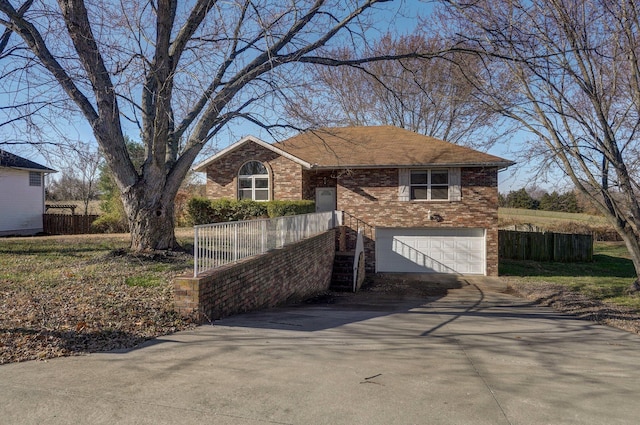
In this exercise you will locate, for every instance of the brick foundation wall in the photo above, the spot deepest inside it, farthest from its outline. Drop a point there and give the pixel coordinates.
(288, 274)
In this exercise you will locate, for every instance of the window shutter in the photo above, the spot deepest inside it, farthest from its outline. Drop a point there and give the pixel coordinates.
(455, 189)
(404, 178)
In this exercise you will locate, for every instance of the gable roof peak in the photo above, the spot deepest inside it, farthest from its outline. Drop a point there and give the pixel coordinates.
(202, 166)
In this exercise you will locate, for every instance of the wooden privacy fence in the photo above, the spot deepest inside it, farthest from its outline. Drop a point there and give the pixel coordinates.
(65, 224)
(545, 246)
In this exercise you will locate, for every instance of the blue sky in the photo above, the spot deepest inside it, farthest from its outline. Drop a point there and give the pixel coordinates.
(398, 17)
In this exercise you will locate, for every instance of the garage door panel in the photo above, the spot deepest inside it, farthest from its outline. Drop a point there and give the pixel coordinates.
(409, 250)
(422, 244)
(450, 257)
(447, 244)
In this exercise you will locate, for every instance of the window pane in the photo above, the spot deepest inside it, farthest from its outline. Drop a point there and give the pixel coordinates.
(253, 181)
(35, 178)
(440, 177)
(244, 194)
(418, 193)
(253, 167)
(419, 177)
(261, 195)
(262, 183)
(439, 193)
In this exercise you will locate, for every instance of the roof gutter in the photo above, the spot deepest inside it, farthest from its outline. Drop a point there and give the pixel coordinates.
(39, 170)
(500, 165)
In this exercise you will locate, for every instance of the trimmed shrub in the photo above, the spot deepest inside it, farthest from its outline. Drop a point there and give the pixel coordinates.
(247, 209)
(204, 211)
(282, 208)
(200, 211)
(221, 210)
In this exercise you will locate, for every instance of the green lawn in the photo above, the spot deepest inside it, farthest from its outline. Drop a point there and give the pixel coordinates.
(607, 278)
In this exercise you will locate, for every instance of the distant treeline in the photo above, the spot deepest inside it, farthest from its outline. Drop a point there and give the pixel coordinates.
(542, 200)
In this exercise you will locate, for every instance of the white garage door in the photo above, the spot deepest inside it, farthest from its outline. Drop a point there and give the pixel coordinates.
(411, 250)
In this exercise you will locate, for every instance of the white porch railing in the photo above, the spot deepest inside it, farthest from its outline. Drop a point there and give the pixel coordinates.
(356, 258)
(223, 243)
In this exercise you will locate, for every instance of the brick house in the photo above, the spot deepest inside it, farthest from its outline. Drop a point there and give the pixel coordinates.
(425, 205)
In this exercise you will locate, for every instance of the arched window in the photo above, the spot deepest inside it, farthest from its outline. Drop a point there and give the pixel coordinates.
(253, 181)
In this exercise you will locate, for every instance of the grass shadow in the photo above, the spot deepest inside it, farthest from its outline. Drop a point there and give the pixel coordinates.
(47, 250)
(44, 344)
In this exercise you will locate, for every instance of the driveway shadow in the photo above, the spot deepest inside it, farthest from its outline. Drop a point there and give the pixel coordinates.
(381, 296)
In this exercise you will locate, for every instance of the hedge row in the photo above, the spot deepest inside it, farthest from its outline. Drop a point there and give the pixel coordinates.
(204, 211)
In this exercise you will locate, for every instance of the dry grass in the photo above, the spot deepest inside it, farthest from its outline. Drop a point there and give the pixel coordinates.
(69, 295)
(553, 221)
(578, 304)
(546, 217)
(94, 207)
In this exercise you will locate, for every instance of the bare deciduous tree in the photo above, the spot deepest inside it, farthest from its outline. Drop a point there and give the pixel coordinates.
(79, 178)
(180, 71)
(428, 96)
(573, 74)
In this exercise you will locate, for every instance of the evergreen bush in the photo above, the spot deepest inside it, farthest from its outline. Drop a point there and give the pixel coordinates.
(282, 208)
(204, 211)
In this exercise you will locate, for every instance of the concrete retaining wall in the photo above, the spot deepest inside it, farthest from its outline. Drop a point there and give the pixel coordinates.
(283, 275)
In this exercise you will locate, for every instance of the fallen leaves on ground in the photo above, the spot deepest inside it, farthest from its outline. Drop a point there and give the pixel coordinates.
(579, 305)
(81, 303)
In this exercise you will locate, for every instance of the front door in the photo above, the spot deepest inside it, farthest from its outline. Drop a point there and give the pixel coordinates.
(325, 199)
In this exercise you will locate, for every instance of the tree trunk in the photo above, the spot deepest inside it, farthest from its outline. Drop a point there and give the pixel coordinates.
(151, 220)
(633, 246)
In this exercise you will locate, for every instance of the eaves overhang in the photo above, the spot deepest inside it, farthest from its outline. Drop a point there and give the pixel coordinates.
(500, 165)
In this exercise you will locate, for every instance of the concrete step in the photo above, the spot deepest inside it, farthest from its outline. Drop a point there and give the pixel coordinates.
(342, 275)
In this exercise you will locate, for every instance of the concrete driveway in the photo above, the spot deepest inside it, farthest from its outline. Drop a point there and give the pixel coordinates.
(473, 356)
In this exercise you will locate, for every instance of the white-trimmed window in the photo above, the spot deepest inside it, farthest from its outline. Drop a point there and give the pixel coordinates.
(438, 184)
(253, 181)
(35, 178)
(429, 185)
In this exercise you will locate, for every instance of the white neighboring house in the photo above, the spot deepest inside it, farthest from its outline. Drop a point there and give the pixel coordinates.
(21, 195)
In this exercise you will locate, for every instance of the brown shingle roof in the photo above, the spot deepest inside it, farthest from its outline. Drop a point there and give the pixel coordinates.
(381, 146)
